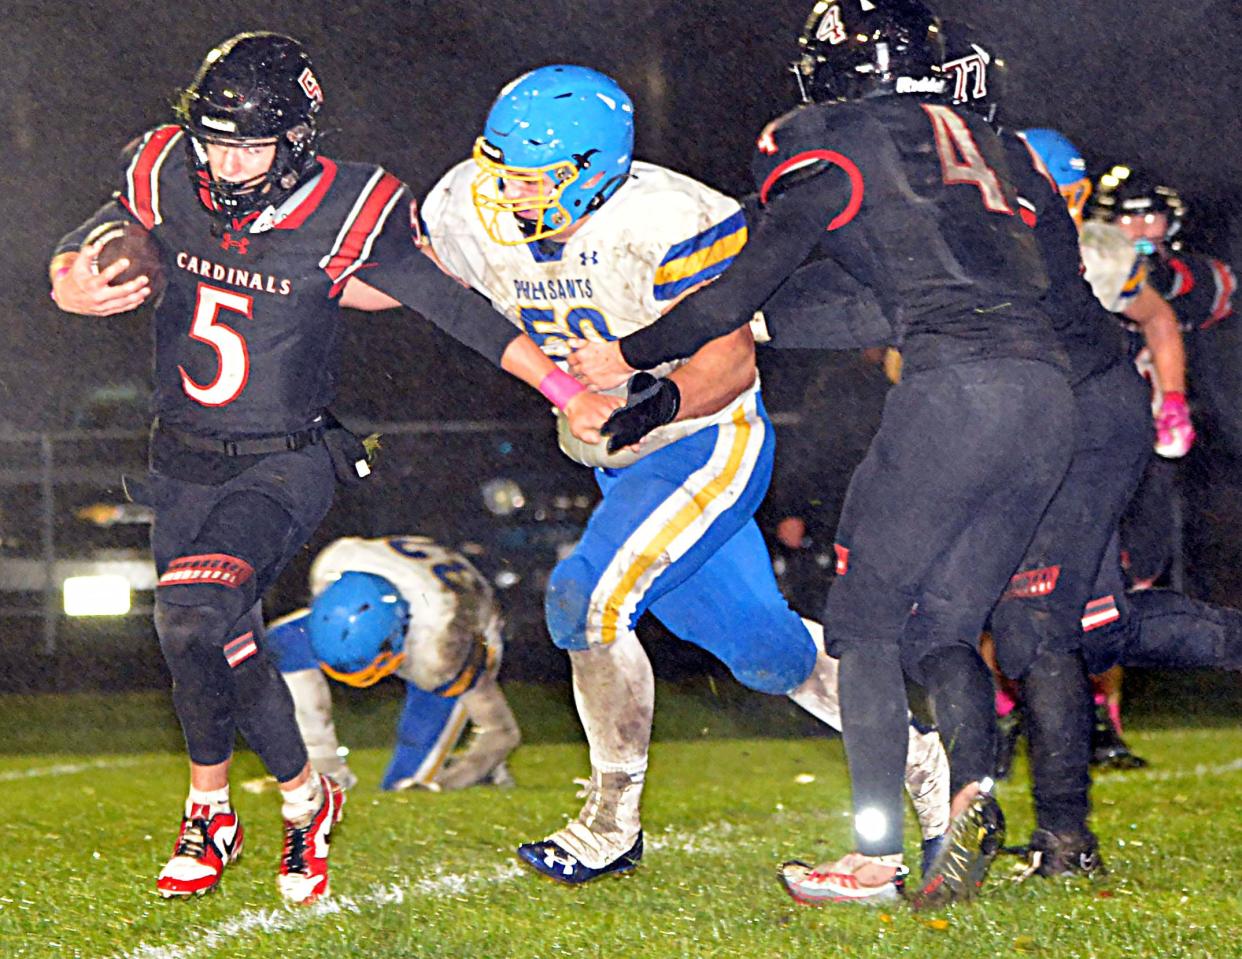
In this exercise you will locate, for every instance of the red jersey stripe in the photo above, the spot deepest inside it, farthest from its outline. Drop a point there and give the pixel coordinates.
(142, 177)
(809, 156)
(368, 214)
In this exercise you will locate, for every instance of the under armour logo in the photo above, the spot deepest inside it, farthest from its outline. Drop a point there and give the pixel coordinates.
(228, 243)
(586, 258)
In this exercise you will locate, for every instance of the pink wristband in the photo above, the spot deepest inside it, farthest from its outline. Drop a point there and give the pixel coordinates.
(58, 274)
(559, 387)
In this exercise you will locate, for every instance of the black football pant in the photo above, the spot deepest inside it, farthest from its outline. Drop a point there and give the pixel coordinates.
(935, 521)
(1037, 626)
(217, 549)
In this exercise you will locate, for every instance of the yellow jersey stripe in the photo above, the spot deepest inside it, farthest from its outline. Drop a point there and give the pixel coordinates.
(677, 525)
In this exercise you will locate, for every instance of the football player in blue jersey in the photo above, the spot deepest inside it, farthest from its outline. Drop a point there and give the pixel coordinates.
(261, 240)
(876, 180)
(570, 237)
(407, 607)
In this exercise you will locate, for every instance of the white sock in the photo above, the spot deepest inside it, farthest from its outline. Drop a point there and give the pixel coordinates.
(301, 801)
(215, 799)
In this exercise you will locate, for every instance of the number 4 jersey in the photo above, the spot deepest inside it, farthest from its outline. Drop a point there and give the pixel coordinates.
(917, 203)
(911, 201)
(247, 334)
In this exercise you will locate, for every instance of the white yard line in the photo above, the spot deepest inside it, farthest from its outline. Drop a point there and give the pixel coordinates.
(702, 840)
(1192, 772)
(69, 769)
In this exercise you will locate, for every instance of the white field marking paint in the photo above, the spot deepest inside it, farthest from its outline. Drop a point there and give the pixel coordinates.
(68, 769)
(702, 841)
(1168, 775)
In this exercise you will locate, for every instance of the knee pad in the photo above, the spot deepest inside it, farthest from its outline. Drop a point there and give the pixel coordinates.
(184, 629)
(864, 607)
(767, 666)
(568, 601)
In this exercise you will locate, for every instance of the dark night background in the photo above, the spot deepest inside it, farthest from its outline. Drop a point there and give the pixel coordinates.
(408, 84)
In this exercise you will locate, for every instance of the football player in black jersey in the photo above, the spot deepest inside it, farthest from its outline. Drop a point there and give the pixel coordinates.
(261, 240)
(878, 178)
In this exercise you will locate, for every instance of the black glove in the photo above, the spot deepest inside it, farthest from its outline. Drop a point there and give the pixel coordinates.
(652, 402)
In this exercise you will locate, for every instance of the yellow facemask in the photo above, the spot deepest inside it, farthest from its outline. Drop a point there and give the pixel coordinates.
(491, 203)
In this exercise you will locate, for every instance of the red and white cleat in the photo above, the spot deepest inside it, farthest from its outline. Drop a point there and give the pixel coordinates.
(205, 845)
(856, 879)
(303, 874)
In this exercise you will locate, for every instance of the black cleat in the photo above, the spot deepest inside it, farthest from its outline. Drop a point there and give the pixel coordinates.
(1108, 749)
(975, 837)
(1064, 854)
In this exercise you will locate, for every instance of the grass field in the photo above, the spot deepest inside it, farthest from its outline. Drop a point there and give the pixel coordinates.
(90, 789)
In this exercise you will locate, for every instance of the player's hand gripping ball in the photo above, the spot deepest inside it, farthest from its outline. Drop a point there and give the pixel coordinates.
(131, 242)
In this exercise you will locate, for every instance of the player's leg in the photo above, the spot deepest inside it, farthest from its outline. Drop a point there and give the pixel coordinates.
(658, 521)
(981, 479)
(494, 735)
(731, 607)
(240, 536)
(1156, 628)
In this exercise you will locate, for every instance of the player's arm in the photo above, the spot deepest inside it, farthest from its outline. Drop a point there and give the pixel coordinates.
(788, 227)
(716, 374)
(400, 274)
(288, 644)
(1157, 321)
(76, 287)
(1175, 433)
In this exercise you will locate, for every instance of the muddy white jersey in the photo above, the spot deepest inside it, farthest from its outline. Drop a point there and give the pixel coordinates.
(660, 235)
(1111, 264)
(451, 603)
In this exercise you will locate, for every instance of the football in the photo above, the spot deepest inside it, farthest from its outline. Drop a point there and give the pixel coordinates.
(123, 240)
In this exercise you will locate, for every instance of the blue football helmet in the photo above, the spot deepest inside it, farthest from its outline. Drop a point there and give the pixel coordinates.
(357, 628)
(1065, 165)
(557, 143)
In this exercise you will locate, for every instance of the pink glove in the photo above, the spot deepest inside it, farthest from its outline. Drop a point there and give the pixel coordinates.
(1174, 432)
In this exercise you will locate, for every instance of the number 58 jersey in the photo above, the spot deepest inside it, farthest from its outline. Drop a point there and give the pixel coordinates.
(660, 235)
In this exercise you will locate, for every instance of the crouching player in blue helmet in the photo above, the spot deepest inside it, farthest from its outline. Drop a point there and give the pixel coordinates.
(571, 239)
(403, 606)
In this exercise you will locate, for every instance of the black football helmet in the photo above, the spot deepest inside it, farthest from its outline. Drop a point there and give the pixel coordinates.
(975, 74)
(856, 49)
(1126, 191)
(252, 87)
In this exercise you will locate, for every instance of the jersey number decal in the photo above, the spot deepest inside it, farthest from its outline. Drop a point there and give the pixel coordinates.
(456, 576)
(831, 28)
(232, 356)
(577, 322)
(960, 159)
